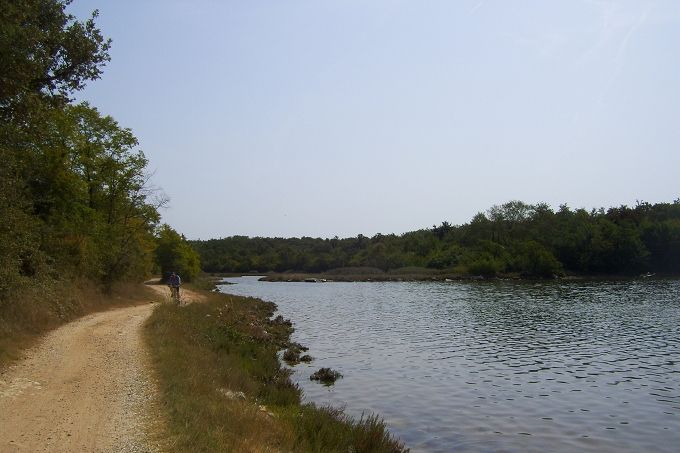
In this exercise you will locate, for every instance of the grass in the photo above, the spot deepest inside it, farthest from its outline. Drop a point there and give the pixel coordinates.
(27, 314)
(206, 353)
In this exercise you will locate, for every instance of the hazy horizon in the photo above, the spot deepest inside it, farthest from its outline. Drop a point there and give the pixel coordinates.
(326, 119)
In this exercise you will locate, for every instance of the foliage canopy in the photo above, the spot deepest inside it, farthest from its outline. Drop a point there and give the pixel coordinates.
(515, 237)
(174, 254)
(74, 197)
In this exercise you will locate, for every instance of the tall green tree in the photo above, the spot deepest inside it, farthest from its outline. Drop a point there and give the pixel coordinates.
(74, 184)
(45, 54)
(174, 254)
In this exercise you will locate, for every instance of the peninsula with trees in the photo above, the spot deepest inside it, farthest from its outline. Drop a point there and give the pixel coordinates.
(511, 239)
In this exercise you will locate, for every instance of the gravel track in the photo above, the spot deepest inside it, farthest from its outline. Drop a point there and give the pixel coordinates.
(85, 387)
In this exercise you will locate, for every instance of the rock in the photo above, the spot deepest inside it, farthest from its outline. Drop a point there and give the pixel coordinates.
(297, 347)
(280, 320)
(326, 376)
(232, 395)
(265, 411)
(291, 356)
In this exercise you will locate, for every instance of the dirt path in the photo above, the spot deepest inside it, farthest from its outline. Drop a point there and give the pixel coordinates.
(84, 388)
(187, 296)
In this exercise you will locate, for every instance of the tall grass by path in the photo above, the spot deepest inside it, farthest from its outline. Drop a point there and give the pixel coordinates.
(36, 309)
(222, 387)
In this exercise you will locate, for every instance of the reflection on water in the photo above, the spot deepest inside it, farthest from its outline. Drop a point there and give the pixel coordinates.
(497, 366)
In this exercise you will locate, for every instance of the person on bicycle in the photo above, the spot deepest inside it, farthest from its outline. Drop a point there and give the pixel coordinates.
(174, 282)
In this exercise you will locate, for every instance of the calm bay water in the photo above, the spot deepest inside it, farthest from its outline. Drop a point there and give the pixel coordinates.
(495, 366)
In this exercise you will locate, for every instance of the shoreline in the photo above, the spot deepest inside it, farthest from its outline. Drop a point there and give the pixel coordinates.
(407, 337)
(223, 386)
(219, 279)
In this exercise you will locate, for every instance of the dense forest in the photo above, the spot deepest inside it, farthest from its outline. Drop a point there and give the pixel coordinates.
(75, 198)
(512, 238)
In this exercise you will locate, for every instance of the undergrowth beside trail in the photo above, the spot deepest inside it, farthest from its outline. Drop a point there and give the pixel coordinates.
(34, 310)
(223, 388)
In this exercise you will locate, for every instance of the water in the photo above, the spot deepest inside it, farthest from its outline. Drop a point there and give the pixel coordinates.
(495, 366)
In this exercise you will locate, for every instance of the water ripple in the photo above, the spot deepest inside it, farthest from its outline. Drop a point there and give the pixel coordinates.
(497, 366)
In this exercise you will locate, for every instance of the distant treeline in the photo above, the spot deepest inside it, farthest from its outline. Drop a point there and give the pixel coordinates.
(513, 238)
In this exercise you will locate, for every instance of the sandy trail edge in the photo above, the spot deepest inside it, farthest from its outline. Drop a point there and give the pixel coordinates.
(85, 387)
(186, 295)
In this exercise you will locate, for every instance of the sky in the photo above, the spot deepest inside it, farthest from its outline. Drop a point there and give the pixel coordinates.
(338, 118)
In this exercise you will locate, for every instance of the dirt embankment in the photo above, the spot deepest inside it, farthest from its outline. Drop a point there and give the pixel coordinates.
(85, 387)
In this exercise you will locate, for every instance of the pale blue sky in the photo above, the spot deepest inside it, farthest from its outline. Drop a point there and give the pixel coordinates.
(324, 118)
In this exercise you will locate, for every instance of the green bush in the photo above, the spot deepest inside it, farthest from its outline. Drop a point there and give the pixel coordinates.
(485, 265)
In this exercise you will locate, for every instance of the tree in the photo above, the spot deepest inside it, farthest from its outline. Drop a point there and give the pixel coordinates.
(89, 187)
(442, 230)
(531, 259)
(174, 254)
(45, 54)
(19, 233)
(508, 218)
(445, 257)
(663, 241)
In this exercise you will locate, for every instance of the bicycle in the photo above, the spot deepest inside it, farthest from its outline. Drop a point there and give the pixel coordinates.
(174, 294)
